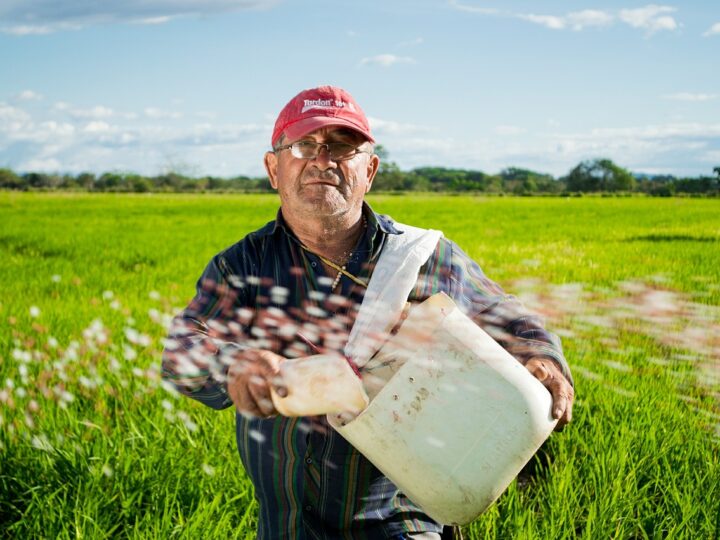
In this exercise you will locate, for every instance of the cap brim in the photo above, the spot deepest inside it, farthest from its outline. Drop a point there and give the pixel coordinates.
(307, 125)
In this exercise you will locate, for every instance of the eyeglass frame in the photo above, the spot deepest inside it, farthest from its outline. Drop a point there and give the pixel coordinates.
(356, 149)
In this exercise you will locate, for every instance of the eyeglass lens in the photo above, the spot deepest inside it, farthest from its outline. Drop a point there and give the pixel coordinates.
(311, 149)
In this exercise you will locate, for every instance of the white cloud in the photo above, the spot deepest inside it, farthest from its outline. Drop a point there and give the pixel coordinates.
(381, 127)
(549, 21)
(99, 139)
(473, 9)
(650, 18)
(98, 111)
(40, 164)
(28, 95)
(510, 130)
(387, 60)
(577, 20)
(26, 17)
(590, 17)
(25, 30)
(10, 115)
(154, 20)
(688, 96)
(713, 30)
(154, 112)
(673, 148)
(96, 126)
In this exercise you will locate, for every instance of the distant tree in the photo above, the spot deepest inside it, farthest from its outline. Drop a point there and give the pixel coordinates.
(599, 175)
(389, 176)
(10, 180)
(702, 184)
(39, 180)
(525, 181)
(716, 170)
(110, 181)
(86, 180)
(138, 184)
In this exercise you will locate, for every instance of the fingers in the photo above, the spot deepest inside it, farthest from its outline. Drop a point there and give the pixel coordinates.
(249, 381)
(259, 391)
(563, 394)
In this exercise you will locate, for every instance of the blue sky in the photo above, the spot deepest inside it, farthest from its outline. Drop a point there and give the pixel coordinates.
(195, 85)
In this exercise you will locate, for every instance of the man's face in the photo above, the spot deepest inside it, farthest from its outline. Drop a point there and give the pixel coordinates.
(320, 186)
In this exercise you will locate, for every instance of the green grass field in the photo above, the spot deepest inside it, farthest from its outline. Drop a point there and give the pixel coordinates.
(92, 446)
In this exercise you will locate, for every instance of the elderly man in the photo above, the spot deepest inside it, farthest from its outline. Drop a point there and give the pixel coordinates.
(292, 288)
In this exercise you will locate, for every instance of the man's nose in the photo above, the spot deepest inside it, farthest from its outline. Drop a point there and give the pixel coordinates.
(324, 158)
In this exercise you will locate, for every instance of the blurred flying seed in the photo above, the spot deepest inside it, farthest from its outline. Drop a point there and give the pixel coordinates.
(55, 278)
(108, 295)
(208, 469)
(154, 295)
(256, 436)
(279, 291)
(107, 470)
(21, 356)
(437, 443)
(129, 353)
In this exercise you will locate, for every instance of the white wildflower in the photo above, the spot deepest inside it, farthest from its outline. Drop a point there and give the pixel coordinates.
(34, 312)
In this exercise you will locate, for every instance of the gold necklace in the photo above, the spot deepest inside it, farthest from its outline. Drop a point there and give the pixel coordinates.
(341, 270)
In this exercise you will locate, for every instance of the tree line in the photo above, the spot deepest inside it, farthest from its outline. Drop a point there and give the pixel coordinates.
(591, 176)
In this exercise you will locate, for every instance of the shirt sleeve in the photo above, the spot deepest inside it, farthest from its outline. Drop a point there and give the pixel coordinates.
(199, 346)
(501, 315)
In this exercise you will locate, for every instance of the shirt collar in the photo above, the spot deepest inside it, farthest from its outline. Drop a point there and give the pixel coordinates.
(375, 221)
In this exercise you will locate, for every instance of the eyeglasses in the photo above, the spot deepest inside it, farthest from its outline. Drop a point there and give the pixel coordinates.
(338, 151)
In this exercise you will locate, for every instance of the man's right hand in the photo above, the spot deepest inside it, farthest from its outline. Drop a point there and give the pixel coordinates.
(249, 381)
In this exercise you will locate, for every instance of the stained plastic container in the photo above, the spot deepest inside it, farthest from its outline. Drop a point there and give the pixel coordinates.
(453, 417)
(320, 384)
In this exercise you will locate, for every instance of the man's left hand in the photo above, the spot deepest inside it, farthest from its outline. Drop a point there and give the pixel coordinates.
(548, 372)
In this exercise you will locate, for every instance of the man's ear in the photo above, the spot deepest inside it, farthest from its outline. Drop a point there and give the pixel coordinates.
(271, 164)
(373, 165)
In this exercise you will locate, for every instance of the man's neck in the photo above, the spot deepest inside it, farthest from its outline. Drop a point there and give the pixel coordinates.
(333, 237)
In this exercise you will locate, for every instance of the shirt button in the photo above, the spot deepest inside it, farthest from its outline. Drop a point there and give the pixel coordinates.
(313, 264)
(308, 508)
(308, 461)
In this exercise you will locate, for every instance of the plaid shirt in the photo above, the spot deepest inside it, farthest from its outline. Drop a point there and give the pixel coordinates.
(309, 482)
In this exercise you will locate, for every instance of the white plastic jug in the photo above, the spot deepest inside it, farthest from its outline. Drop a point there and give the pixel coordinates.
(458, 418)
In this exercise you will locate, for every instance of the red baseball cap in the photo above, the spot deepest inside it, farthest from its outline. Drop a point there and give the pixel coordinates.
(320, 107)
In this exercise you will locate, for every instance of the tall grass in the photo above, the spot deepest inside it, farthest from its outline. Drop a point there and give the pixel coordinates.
(93, 446)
